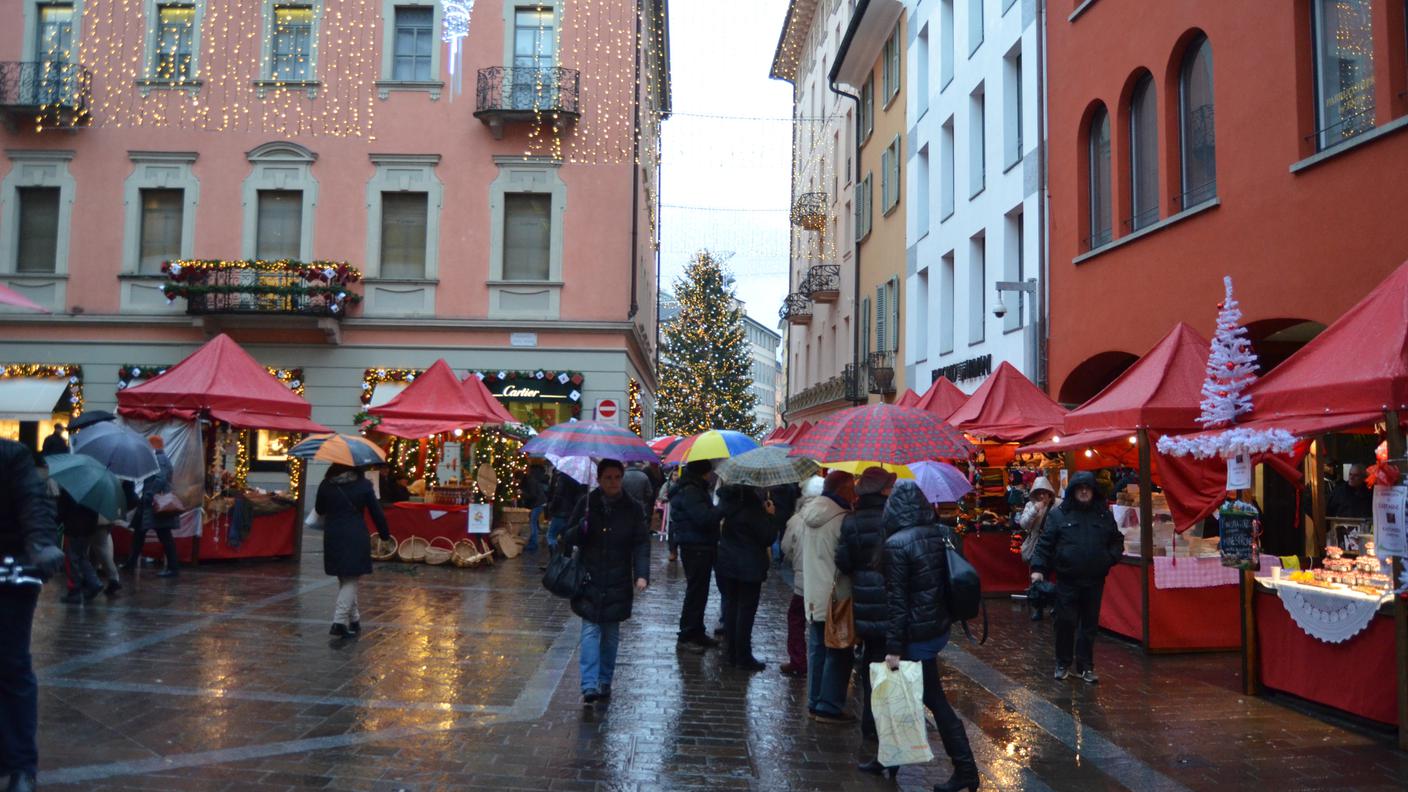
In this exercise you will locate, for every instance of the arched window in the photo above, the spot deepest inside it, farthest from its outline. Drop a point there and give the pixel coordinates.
(1198, 144)
(1143, 155)
(1099, 176)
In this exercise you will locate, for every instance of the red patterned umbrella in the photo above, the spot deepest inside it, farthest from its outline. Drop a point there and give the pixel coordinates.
(882, 433)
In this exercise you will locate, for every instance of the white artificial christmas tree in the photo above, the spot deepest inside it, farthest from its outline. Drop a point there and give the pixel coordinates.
(1231, 370)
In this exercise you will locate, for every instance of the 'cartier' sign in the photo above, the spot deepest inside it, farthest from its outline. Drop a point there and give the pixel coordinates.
(512, 392)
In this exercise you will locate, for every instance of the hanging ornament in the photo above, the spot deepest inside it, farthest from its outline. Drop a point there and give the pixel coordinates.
(455, 26)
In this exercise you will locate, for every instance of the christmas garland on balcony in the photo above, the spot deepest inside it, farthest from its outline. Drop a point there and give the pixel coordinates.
(326, 279)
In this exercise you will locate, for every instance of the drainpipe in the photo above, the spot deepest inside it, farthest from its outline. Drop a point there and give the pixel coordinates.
(1039, 324)
(855, 249)
(635, 173)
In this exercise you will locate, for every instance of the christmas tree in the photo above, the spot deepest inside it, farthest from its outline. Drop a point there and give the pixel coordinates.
(705, 361)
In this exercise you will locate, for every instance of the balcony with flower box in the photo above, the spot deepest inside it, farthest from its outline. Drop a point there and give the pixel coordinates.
(252, 292)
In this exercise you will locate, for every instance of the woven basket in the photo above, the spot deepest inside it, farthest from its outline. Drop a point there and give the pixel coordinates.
(384, 550)
(435, 555)
(508, 543)
(465, 555)
(412, 549)
(514, 519)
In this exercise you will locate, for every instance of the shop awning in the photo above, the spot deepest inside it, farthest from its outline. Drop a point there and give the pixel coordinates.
(384, 392)
(942, 399)
(31, 398)
(436, 402)
(248, 419)
(1008, 408)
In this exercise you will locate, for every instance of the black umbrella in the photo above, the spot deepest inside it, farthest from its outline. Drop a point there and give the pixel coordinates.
(89, 418)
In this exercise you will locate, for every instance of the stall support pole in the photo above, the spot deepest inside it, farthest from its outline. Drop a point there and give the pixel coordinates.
(1400, 605)
(1251, 676)
(1313, 463)
(298, 510)
(1146, 533)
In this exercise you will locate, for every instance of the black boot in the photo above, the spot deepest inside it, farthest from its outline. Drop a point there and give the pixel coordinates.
(21, 782)
(965, 769)
(874, 766)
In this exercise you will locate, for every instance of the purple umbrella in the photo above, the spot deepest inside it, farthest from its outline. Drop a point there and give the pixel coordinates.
(940, 482)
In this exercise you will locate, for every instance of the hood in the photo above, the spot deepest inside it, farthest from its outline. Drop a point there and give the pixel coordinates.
(819, 511)
(1083, 478)
(1042, 483)
(907, 508)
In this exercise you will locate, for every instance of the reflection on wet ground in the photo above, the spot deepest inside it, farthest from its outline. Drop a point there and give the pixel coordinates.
(226, 679)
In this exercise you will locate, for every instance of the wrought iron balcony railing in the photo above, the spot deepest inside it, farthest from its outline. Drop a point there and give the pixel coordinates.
(824, 283)
(881, 369)
(825, 392)
(855, 380)
(526, 94)
(796, 309)
(55, 93)
(320, 289)
(809, 211)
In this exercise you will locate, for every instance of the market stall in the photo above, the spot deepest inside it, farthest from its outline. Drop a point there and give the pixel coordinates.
(942, 399)
(207, 408)
(34, 397)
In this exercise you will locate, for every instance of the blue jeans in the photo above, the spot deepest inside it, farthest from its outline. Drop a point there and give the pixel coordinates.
(555, 528)
(533, 517)
(597, 654)
(828, 672)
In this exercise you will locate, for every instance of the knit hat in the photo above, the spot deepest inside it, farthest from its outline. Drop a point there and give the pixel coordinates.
(835, 480)
(874, 480)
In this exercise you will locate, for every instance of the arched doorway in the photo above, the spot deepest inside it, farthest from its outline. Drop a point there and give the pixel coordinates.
(1092, 375)
(1274, 340)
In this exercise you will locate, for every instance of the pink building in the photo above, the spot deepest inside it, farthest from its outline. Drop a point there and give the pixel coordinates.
(508, 227)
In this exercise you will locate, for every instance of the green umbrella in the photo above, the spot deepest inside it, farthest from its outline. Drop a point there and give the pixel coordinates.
(88, 482)
(767, 466)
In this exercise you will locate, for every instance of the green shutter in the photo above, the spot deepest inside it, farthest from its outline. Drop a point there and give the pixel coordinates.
(881, 318)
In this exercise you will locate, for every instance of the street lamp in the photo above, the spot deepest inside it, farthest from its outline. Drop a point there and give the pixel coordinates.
(1028, 286)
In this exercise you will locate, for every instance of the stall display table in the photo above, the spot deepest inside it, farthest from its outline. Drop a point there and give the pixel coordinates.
(1356, 675)
(269, 536)
(426, 520)
(1002, 571)
(1182, 618)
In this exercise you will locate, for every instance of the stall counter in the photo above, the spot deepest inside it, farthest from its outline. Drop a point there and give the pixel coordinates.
(1001, 571)
(1180, 619)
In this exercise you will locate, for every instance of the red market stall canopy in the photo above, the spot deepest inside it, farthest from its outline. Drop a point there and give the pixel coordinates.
(908, 399)
(1008, 408)
(787, 435)
(942, 399)
(437, 401)
(222, 381)
(475, 389)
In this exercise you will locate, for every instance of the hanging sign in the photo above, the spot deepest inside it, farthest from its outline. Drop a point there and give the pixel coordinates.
(1390, 529)
(1239, 523)
(1239, 472)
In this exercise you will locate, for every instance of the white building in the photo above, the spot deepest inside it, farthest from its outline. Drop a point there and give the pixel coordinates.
(975, 214)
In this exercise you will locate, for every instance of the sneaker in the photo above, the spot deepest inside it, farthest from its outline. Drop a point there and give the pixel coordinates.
(339, 630)
(590, 697)
(1089, 676)
(1061, 672)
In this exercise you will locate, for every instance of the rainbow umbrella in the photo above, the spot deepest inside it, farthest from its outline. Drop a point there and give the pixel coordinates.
(713, 444)
(662, 445)
(590, 439)
(340, 449)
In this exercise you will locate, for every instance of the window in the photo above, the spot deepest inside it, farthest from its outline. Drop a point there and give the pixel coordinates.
(946, 179)
(1014, 267)
(1012, 110)
(1198, 139)
(921, 179)
(161, 228)
(882, 318)
(921, 69)
(975, 26)
(291, 53)
(977, 144)
(864, 197)
(947, 301)
(53, 35)
(892, 287)
(527, 236)
(175, 36)
(890, 178)
(946, 44)
(534, 38)
(865, 327)
(892, 69)
(1099, 177)
(1143, 155)
(403, 233)
(977, 289)
(919, 318)
(279, 225)
(38, 230)
(414, 45)
(865, 122)
(1344, 69)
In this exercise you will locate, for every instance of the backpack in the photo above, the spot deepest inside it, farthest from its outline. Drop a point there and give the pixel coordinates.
(965, 591)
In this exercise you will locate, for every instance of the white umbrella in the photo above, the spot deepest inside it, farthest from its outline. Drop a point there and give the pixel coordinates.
(580, 469)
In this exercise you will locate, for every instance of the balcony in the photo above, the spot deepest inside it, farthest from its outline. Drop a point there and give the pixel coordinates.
(796, 309)
(247, 293)
(824, 283)
(44, 94)
(809, 211)
(509, 95)
(831, 390)
(880, 367)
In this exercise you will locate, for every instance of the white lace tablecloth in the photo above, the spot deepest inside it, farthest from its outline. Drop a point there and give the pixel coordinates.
(1332, 617)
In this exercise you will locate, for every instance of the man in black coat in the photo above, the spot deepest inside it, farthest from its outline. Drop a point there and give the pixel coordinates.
(862, 541)
(534, 497)
(564, 492)
(750, 526)
(1080, 543)
(694, 521)
(29, 536)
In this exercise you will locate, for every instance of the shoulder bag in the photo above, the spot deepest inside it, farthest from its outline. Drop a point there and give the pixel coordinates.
(565, 577)
(167, 503)
(965, 591)
(840, 622)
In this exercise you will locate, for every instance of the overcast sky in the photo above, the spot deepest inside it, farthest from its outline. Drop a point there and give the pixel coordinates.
(726, 180)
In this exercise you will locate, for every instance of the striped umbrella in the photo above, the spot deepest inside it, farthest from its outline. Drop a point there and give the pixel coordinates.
(768, 466)
(661, 445)
(883, 433)
(713, 444)
(340, 449)
(590, 439)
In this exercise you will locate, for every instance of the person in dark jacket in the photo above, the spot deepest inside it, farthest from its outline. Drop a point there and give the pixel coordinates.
(28, 536)
(564, 493)
(694, 522)
(343, 498)
(80, 525)
(534, 497)
(613, 535)
(858, 554)
(1352, 497)
(750, 526)
(1080, 543)
(55, 442)
(916, 593)
(148, 518)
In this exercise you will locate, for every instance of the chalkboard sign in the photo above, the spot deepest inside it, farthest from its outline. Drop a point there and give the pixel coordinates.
(1239, 524)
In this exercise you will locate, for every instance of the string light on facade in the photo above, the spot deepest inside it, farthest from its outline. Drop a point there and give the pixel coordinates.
(454, 30)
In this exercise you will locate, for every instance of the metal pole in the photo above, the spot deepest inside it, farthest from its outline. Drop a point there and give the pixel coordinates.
(1400, 605)
(1146, 533)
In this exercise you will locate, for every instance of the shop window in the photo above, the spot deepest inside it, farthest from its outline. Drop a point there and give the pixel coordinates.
(1343, 32)
(527, 229)
(1098, 176)
(403, 234)
(279, 225)
(161, 227)
(415, 43)
(1143, 156)
(38, 229)
(1198, 138)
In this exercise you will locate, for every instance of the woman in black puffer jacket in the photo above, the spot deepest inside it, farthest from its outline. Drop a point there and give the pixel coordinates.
(916, 590)
(750, 527)
(858, 552)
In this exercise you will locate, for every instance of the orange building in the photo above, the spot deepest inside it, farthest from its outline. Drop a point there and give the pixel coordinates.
(1204, 138)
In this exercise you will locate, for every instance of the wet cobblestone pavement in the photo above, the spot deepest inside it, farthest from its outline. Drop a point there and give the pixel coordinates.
(226, 679)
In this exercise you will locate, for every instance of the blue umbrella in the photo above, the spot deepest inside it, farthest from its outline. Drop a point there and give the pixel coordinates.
(940, 482)
(125, 453)
(88, 482)
(590, 439)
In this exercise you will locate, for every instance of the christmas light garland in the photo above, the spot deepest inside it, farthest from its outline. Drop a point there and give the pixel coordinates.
(634, 413)
(69, 371)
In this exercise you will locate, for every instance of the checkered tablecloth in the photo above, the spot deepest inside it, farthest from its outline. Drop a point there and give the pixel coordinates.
(1171, 573)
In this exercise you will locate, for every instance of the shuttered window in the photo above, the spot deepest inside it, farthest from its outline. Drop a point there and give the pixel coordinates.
(161, 228)
(403, 217)
(527, 236)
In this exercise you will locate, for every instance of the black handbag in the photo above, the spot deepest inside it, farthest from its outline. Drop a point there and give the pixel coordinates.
(965, 591)
(566, 576)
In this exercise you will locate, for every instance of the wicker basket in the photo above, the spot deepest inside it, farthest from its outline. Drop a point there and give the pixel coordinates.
(384, 550)
(435, 555)
(412, 549)
(508, 543)
(465, 555)
(514, 519)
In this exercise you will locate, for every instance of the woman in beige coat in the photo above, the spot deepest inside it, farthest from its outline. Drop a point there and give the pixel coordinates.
(1042, 500)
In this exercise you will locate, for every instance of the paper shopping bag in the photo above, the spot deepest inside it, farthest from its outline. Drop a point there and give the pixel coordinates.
(897, 700)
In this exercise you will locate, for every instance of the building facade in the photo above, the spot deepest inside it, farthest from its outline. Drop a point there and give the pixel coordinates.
(510, 228)
(763, 343)
(871, 64)
(975, 214)
(1194, 140)
(819, 309)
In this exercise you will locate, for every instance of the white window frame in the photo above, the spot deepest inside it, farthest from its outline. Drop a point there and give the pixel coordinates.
(31, 23)
(150, 81)
(37, 168)
(510, 11)
(265, 83)
(386, 85)
(526, 299)
(279, 166)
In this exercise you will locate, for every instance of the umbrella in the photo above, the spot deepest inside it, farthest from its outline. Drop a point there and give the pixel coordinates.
(88, 483)
(578, 468)
(125, 453)
(884, 433)
(9, 296)
(768, 466)
(713, 444)
(662, 445)
(340, 449)
(940, 483)
(590, 439)
(857, 468)
(89, 418)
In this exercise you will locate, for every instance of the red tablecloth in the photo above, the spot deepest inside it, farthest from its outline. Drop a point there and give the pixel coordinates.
(451, 522)
(1183, 619)
(1358, 676)
(1001, 570)
(270, 536)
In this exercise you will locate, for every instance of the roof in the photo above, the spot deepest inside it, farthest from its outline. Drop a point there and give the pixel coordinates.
(907, 399)
(222, 381)
(942, 399)
(795, 27)
(1161, 391)
(870, 26)
(436, 402)
(1008, 408)
(475, 389)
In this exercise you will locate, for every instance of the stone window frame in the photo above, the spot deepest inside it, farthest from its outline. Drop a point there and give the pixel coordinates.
(149, 82)
(265, 83)
(510, 15)
(279, 165)
(386, 85)
(520, 174)
(31, 21)
(157, 170)
(380, 291)
(28, 169)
